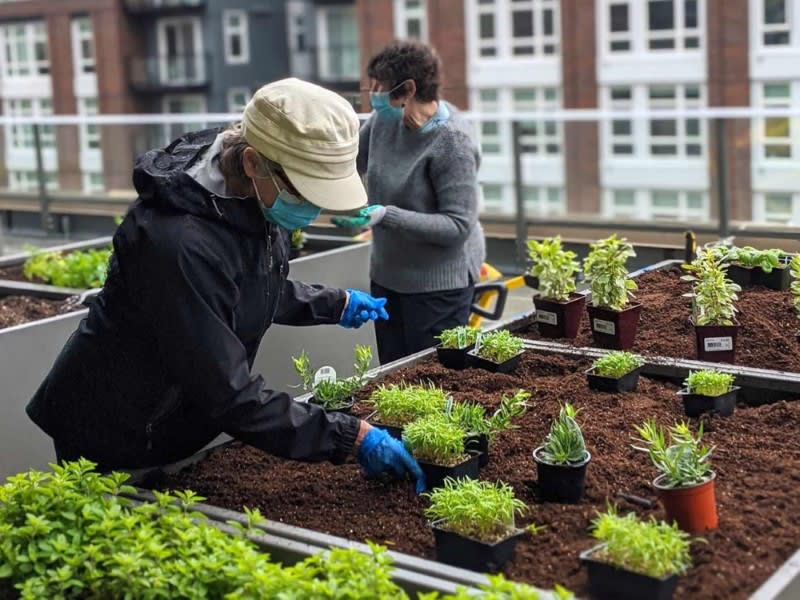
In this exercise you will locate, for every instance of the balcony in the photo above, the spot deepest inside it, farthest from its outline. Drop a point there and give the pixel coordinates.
(163, 7)
(164, 74)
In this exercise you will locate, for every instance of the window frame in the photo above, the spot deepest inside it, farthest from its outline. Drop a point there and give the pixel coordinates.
(228, 33)
(27, 36)
(643, 208)
(403, 14)
(760, 140)
(232, 106)
(81, 65)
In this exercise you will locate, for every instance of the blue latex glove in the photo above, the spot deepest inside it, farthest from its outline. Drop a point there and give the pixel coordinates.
(381, 453)
(366, 217)
(361, 307)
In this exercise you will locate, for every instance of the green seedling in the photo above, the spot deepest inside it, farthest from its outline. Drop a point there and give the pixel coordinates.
(794, 267)
(607, 273)
(332, 395)
(713, 294)
(564, 444)
(475, 509)
(78, 269)
(472, 417)
(652, 548)
(435, 439)
(748, 256)
(554, 266)
(709, 382)
(298, 239)
(458, 337)
(682, 460)
(499, 346)
(617, 364)
(398, 405)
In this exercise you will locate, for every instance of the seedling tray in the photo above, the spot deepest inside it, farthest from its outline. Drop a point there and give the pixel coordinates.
(607, 582)
(696, 404)
(615, 385)
(436, 474)
(454, 358)
(468, 553)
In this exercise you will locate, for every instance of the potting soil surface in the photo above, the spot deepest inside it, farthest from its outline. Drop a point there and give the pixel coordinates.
(15, 310)
(768, 337)
(15, 274)
(757, 461)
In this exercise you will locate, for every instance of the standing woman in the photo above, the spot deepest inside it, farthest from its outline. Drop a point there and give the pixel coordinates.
(421, 166)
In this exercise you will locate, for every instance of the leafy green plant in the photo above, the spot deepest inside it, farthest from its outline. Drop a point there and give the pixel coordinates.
(398, 405)
(617, 364)
(435, 439)
(499, 346)
(298, 239)
(794, 267)
(748, 256)
(564, 444)
(652, 548)
(682, 460)
(554, 266)
(472, 417)
(607, 273)
(713, 294)
(709, 382)
(499, 588)
(334, 394)
(476, 509)
(77, 269)
(458, 337)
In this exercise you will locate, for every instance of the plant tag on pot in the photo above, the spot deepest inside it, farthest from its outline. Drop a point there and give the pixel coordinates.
(478, 342)
(544, 316)
(602, 326)
(324, 374)
(448, 406)
(718, 344)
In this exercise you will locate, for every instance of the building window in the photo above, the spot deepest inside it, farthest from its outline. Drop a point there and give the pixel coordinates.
(299, 38)
(93, 183)
(534, 27)
(492, 197)
(188, 104)
(28, 181)
(543, 201)
(338, 40)
(22, 136)
(488, 102)
(487, 25)
(661, 205)
(778, 208)
(651, 25)
(776, 132)
(619, 27)
(238, 99)
(672, 24)
(776, 28)
(83, 45)
(26, 49)
(542, 138)
(236, 38)
(410, 17)
(622, 142)
(90, 132)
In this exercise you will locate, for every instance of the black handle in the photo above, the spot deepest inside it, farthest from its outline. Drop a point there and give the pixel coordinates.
(499, 306)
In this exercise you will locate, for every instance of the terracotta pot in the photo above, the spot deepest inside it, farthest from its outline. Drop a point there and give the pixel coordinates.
(715, 343)
(559, 319)
(693, 507)
(614, 329)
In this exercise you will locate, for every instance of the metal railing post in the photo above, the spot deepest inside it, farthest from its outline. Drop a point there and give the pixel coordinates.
(519, 202)
(44, 201)
(722, 180)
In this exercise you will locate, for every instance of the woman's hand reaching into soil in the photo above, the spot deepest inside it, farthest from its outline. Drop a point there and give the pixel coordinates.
(380, 453)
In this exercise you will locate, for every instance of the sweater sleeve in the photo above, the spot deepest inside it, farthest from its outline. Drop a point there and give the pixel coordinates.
(363, 147)
(453, 172)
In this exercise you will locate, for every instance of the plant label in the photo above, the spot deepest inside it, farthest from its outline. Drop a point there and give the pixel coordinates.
(324, 374)
(543, 316)
(718, 344)
(478, 342)
(601, 326)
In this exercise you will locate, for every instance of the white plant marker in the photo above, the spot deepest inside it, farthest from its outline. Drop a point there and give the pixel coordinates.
(325, 374)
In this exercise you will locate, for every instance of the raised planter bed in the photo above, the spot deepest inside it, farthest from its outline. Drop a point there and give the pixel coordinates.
(756, 479)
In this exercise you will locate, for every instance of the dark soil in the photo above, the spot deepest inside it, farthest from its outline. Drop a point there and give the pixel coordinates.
(756, 460)
(16, 274)
(15, 310)
(768, 337)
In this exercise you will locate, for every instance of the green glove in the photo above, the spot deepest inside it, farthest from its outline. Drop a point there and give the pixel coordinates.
(366, 217)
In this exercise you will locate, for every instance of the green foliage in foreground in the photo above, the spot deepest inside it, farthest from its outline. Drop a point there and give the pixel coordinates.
(617, 364)
(564, 444)
(709, 382)
(794, 268)
(331, 395)
(435, 439)
(499, 346)
(78, 269)
(399, 404)
(472, 417)
(458, 337)
(682, 458)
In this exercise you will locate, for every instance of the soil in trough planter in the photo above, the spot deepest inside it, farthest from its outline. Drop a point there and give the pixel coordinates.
(16, 310)
(757, 479)
(768, 336)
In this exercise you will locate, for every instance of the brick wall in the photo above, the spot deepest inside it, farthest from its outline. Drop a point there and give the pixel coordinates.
(447, 35)
(375, 30)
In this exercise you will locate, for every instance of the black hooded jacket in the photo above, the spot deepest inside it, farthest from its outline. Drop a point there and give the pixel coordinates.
(161, 364)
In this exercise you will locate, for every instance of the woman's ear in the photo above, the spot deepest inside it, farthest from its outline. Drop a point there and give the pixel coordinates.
(251, 162)
(409, 90)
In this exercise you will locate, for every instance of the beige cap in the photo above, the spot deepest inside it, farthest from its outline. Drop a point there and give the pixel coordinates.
(313, 134)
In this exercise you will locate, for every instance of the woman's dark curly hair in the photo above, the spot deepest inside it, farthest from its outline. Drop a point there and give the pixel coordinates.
(403, 60)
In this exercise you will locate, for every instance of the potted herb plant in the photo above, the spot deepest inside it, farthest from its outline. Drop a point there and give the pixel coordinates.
(334, 395)
(454, 344)
(397, 405)
(794, 266)
(686, 483)
(558, 307)
(474, 523)
(562, 460)
(79, 269)
(713, 296)
(759, 267)
(612, 317)
(438, 445)
(709, 390)
(498, 352)
(635, 560)
(615, 372)
(297, 242)
(481, 430)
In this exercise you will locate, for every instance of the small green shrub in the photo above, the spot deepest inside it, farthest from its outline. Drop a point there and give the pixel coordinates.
(794, 267)
(713, 294)
(748, 256)
(652, 548)
(499, 346)
(617, 364)
(435, 439)
(564, 444)
(398, 405)
(331, 395)
(709, 382)
(77, 269)
(458, 337)
(682, 460)
(554, 266)
(298, 239)
(477, 509)
(472, 417)
(607, 273)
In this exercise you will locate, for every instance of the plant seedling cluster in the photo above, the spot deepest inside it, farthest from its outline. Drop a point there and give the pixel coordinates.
(435, 439)
(499, 346)
(713, 294)
(399, 405)
(617, 364)
(607, 273)
(554, 266)
(297, 239)
(682, 459)
(564, 444)
(78, 269)
(476, 509)
(472, 417)
(794, 267)
(747, 256)
(652, 548)
(458, 337)
(332, 395)
(709, 382)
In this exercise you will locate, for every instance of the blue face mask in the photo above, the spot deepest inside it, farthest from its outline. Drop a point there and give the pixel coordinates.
(381, 104)
(289, 211)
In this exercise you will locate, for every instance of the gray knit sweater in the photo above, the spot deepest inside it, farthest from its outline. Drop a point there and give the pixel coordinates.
(430, 238)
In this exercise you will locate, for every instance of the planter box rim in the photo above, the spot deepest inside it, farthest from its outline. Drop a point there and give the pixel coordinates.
(660, 486)
(586, 555)
(512, 533)
(565, 465)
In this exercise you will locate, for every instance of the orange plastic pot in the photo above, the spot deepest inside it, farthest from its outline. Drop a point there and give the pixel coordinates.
(694, 508)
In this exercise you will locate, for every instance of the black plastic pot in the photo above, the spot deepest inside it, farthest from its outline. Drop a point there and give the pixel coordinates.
(561, 483)
(743, 276)
(695, 405)
(607, 582)
(626, 383)
(779, 278)
(345, 409)
(435, 474)
(531, 281)
(614, 329)
(395, 432)
(716, 343)
(478, 443)
(559, 319)
(453, 358)
(475, 361)
(468, 553)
